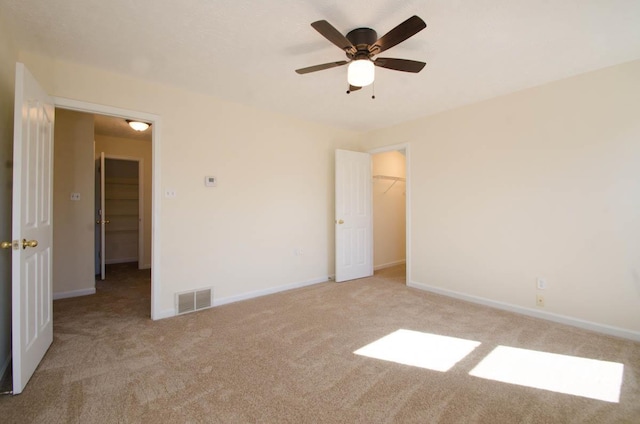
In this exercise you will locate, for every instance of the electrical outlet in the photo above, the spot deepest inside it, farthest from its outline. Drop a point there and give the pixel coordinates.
(298, 251)
(540, 301)
(170, 193)
(541, 283)
(75, 196)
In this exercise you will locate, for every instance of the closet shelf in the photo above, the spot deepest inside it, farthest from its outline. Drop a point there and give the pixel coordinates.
(389, 178)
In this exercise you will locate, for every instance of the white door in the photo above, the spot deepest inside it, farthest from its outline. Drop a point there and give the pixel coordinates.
(102, 218)
(32, 302)
(354, 241)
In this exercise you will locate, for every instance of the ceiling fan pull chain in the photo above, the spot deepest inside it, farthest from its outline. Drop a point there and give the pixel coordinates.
(373, 88)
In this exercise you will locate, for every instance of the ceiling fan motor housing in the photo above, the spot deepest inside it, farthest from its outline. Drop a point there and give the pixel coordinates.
(362, 38)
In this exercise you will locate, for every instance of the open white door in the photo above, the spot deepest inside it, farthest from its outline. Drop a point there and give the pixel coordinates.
(32, 302)
(102, 219)
(354, 241)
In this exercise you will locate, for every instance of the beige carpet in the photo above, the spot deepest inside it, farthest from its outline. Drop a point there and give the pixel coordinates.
(288, 358)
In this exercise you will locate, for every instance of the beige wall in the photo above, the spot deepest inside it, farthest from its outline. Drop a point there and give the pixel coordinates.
(540, 183)
(8, 57)
(275, 189)
(389, 200)
(139, 149)
(73, 221)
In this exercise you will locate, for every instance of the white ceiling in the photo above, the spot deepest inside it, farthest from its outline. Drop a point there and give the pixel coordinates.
(246, 51)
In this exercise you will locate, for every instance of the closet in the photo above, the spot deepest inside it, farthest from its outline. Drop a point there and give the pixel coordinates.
(121, 194)
(389, 209)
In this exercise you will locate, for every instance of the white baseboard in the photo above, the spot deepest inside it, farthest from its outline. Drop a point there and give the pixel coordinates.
(5, 365)
(272, 290)
(389, 264)
(74, 293)
(146, 266)
(168, 313)
(562, 319)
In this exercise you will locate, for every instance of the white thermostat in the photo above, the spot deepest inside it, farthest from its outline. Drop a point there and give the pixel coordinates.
(210, 181)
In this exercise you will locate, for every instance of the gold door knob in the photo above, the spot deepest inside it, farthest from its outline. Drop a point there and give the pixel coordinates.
(29, 243)
(106, 221)
(340, 222)
(6, 245)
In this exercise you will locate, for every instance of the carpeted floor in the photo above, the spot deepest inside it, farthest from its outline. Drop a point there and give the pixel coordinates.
(288, 358)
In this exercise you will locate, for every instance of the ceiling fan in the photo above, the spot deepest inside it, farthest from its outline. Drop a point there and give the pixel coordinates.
(362, 44)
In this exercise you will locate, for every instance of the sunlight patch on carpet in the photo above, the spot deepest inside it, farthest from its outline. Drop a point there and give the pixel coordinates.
(571, 375)
(424, 350)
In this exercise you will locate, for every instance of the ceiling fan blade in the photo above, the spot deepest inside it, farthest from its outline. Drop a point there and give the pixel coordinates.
(321, 67)
(330, 33)
(404, 65)
(354, 87)
(407, 29)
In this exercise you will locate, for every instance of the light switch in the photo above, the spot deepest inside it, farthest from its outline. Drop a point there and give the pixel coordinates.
(210, 181)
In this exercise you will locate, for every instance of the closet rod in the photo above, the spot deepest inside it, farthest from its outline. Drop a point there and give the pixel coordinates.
(388, 177)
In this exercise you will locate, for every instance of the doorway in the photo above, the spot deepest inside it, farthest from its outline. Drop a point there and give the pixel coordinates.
(390, 199)
(354, 204)
(120, 204)
(151, 192)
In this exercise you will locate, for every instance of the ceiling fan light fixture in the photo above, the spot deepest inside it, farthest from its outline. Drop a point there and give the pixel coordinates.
(138, 125)
(361, 72)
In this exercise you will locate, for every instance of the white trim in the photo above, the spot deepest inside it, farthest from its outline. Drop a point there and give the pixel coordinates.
(271, 290)
(389, 148)
(141, 212)
(389, 264)
(168, 313)
(549, 316)
(156, 198)
(146, 266)
(407, 166)
(74, 293)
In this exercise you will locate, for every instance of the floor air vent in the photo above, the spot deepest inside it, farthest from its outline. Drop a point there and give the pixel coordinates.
(194, 300)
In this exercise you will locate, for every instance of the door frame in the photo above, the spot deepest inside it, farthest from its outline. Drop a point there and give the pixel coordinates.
(156, 122)
(407, 150)
(140, 199)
